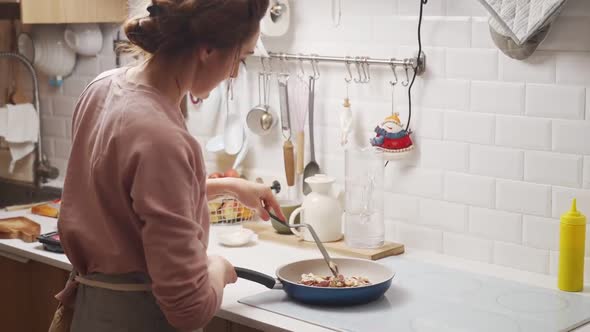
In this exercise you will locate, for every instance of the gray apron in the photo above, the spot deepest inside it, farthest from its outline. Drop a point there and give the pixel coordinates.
(99, 309)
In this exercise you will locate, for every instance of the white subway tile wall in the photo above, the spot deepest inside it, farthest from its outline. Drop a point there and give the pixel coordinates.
(553, 168)
(538, 68)
(521, 257)
(541, 233)
(468, 247)
(501, 144)
(495, 225)
(497, 97)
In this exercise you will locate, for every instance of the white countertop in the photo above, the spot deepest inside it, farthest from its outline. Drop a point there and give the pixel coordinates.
(274, 255)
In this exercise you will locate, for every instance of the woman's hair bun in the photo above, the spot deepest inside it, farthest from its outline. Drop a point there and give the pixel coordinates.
(144, 33)
(175, 25)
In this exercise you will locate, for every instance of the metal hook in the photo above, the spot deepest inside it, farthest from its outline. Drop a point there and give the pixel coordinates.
(407, 81)
(348, 77)
(392, 65)
(263, 65)
(284, 67)
(357, 63)
(315, 67)
(301, 65)
(366, 70)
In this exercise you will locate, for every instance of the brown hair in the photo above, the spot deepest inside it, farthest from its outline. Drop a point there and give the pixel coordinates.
(176, 25)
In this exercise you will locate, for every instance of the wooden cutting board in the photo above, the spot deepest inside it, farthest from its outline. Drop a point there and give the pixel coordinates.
(266, 232)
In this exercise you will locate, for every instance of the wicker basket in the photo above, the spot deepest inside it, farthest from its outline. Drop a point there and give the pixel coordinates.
(228, 210)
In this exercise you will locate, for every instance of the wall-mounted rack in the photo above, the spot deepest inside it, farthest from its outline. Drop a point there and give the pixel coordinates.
(416, 63)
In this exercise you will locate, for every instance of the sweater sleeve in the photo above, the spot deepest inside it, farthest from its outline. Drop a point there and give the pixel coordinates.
(165, 193)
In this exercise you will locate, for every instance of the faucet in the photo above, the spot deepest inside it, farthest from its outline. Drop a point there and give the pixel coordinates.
(43, 170)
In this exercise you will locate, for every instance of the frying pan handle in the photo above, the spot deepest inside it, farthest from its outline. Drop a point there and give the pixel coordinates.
(258, 277)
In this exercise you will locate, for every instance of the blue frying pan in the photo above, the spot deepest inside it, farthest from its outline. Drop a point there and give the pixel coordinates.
(288, 277)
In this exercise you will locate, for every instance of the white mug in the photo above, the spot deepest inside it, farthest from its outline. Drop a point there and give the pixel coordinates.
(84, 39)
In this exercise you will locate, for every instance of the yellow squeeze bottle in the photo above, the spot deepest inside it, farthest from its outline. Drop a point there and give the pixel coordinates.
(572, 237)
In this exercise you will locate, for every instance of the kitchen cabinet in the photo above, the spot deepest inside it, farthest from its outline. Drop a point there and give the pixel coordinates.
(27, 290)
(73, 11)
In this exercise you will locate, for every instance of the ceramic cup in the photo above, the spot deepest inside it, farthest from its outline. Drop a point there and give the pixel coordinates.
(84, 39)
(287, 207)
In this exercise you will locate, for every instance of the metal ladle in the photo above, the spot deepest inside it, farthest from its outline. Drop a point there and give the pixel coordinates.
(266, 120)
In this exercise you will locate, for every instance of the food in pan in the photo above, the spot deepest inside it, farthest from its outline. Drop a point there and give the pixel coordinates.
(311, 279)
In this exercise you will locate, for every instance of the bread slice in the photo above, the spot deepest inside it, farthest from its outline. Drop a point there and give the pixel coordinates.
(19, 228)
(50, 209)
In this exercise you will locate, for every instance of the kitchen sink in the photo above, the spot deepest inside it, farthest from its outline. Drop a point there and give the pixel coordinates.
(12, 193)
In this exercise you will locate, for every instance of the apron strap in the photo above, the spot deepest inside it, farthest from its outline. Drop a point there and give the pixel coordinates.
(112, 286)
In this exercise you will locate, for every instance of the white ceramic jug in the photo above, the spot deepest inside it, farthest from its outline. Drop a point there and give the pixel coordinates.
(321, 209)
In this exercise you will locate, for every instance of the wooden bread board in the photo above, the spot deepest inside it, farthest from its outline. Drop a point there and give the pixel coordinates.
(266, 232)
(19, 228)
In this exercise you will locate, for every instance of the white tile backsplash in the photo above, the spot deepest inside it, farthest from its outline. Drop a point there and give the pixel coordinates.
(496, 161)
(573, 68)
(523, 197)
(401, 207)
(470, 189)
(495, 137)
(541, 167)
(565, 33)
(431, 123)
(409, 7)
(468, 247)
(555, 101)
(523, 132)
(452, 32)
(538, 68)
(475, 64)
(562, 200)
(444, 154)
(353, 8)
(480, 33)
(541, 233)
(571, 136)
(497, 97)
(415, 181)
(469, 127)
(495, 225)
(521, 257)
(465, 8)
(443, 215)
(448, 94)
(420, 237)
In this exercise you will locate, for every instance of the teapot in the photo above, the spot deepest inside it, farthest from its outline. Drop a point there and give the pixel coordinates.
(322, 209)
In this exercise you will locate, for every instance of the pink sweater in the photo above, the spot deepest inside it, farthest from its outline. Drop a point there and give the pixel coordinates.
(134, 197)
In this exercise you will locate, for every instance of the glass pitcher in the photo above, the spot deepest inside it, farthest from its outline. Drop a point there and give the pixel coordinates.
(364, 226)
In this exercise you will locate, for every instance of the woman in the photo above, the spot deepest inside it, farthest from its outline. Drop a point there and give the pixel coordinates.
(134, 211)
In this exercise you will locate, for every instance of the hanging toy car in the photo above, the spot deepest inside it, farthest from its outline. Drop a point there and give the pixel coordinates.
(391, 137)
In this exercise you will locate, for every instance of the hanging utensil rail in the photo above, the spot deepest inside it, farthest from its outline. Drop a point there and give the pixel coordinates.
(416, 63)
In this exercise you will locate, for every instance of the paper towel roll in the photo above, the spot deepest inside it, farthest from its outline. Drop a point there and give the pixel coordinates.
(276, 25)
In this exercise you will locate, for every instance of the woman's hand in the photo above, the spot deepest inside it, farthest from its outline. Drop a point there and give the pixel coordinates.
(254, 195)
(221, 269)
